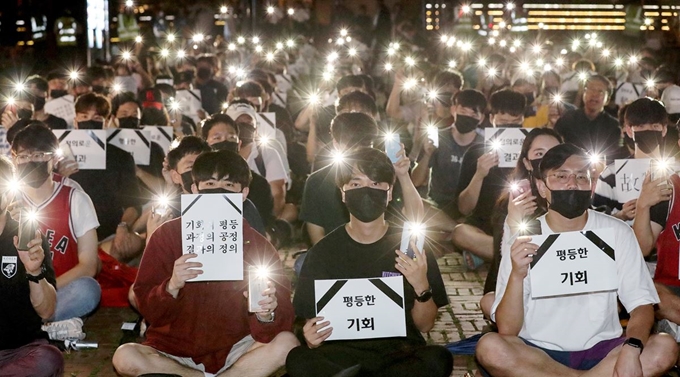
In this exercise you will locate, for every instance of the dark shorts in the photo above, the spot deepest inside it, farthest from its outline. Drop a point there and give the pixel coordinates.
(582, 360)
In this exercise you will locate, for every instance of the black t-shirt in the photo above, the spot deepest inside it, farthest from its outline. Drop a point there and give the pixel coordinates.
(659, 213)
(339, 256)
(213, 95)
(323, 124)
(446, 163)
(261, 196)
(601, 134)
(112, 190)
(19, 323)
(492, 187)
(322, 201)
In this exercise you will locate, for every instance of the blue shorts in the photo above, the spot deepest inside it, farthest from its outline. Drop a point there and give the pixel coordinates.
(582, 360)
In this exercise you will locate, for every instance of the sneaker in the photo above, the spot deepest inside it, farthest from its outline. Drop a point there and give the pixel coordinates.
(669, 328)
(67, 329)
(472, 262)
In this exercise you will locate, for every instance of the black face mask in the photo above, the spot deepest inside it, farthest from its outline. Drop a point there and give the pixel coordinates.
(39, 103)
(204, 73)
(91, 125)
(187, 181)
(365, 203)
(56, 93)
(465, 124)
(535, 172)
(24, 114)
(570, 203)
(225, 146)
(33, 173)
(530, 98)
(647, 141)
(99, 89)
(128, 122)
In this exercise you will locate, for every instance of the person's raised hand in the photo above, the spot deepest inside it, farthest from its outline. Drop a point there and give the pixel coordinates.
(522, 253)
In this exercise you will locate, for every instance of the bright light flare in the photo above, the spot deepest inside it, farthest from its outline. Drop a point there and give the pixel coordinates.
(410, 61)
(410, 83)
(165, 53)
(198, 37)
(388, 67)
(31, 215)
(496, 144)
(291, 11)
(343, 32)
(262, 272)
(452, 64)
(650, 83)
(510, 6)
(14, 186)
(171, 37)
(256, 40)
(337, 156)
(606, 52)
(633, 59)
(126, 55)
(415, 229)
(129, 3)
(618, 62)
(352, 52)
(117, 88)
(241, 40)
(181, 54)
(74, 75)
(290, 43)
(139, 39)
(333, 56)
(466, 9)
(271, 10)
(224, 9)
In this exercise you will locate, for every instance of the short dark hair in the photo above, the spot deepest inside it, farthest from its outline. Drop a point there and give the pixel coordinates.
(187, 145)
(370, 161)
(349, 81)
(508, 102)
(38, 81)
(360, 99)
(645, 111)
(154, 117)
(207, 58)
(664, 75)
(249, 89)
(214, 120)
(557, 155)
(95, 73)
(470, 98)
(449, 77)
(225, 164)
(35, 137)
(87, 101)
(121, 99)
(584, 64)
(354, 129)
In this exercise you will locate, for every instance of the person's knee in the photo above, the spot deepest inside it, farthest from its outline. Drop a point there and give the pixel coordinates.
(127, 360)
(438, 359)
(50, 361)
(665, 352)
(486, 303)
(490, 350)
(282, 344)
(295, 361)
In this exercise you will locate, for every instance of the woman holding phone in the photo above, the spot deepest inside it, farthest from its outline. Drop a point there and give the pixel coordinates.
(520, 203)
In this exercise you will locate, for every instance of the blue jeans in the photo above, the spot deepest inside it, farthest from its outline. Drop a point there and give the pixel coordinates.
(77, 299)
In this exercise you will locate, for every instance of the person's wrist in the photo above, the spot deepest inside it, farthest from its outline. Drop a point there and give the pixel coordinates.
(265, 317)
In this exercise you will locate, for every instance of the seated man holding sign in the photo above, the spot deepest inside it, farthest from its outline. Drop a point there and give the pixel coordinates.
(357, 287)
(556, 296)
(207, 328)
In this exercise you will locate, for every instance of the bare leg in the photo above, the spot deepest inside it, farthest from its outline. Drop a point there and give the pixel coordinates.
(486, 303)
(659, 355)
(509, 356)
(289, 213)
(669, 307)
(437, 219)
(262, 360)
(474, 240)
(132, 359)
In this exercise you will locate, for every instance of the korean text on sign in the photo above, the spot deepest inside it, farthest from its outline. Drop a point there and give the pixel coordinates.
(88, 147)
(507, 143)
(573, 263)
(212, 228)
(362, 308)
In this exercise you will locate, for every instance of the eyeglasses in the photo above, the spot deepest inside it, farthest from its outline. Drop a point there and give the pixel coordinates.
(598, 92)
(35, 157)
(562, 177)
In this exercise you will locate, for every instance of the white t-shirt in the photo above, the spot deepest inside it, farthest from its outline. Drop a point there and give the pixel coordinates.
(62, 107)
(578, 322)
(272, 163)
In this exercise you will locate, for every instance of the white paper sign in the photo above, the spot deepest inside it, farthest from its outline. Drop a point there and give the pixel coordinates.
(135, 142)
(212, 228)
(62, 107)
(266, 125)
(362, 308)
(88, 147)
(161, 135)
(629, 176)
(507, 142)
(189, 103)
(628, 92)
(573, 262)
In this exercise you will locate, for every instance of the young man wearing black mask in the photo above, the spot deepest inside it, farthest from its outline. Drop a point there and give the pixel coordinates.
(180, 163)
(562, 335)
(126, 113)
(119, 200)
(645, 123)
(366, 247)
(443, 163)
(37, 88)
(213, 93)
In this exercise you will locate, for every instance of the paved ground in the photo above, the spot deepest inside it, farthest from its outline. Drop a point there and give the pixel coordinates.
(461, 319)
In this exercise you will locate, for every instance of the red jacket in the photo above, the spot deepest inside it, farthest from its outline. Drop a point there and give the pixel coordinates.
(207, 318)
